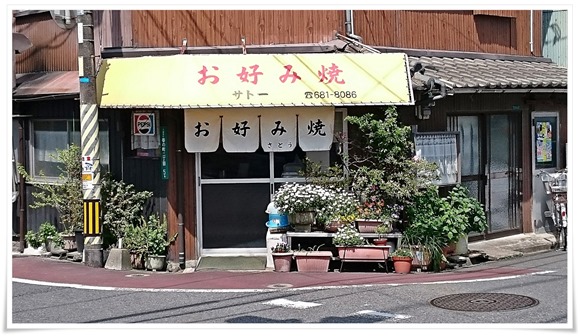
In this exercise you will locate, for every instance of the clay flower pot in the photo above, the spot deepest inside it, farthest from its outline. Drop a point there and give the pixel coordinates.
(402, 264)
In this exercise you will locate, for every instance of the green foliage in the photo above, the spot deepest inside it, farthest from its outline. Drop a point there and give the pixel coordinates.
(281, 247)
(467, 208)
(135, 239)
(382, 229)
(348, 235)
(402, 252)
(156, 235)
(122, 205)
(383, 162)
(438, 221)
(33, 239)
(380, 169)
(66, 194)
(48, 231)
(446, 218)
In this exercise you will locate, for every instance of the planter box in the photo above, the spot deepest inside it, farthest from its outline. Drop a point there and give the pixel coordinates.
(282, 261)
(367, 225)
(363, 253)
(366, 253)
(313, 261)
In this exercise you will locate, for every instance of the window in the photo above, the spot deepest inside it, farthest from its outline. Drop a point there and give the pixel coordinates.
(440, 148)
(51, 134)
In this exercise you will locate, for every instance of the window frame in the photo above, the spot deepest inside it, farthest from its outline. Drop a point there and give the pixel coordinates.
(70, 139)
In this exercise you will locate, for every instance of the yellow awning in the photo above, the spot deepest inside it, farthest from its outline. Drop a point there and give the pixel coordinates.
(194, 81)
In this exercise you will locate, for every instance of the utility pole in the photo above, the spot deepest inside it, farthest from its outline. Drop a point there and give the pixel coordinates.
(89, 117)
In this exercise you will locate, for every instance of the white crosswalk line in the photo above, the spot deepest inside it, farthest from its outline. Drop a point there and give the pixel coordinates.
(292, 304)
(383, 314)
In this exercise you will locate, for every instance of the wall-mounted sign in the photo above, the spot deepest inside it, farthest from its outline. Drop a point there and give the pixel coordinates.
(144, 123)
(164, 154)
(255, 80)
(242, 130)
(87, 173)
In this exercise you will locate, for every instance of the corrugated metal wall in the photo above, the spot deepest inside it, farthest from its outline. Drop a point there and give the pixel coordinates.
(555, 36)
(53, 48)
(507, 32)
(227, 27)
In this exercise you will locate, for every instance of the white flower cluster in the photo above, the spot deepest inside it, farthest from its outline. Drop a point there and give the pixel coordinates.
(296, 197)
(348, 235)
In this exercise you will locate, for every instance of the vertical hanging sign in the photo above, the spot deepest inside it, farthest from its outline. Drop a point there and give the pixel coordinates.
(164, 155)
(87, 177)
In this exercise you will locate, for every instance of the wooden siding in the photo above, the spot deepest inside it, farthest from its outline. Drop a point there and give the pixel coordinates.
(112, 29)
(183, 177)
(164, 28)
(53, 48)
(506, 33)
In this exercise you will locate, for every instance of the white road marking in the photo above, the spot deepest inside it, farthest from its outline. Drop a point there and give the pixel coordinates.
(383, 314)
(292, 304)
(259, 290)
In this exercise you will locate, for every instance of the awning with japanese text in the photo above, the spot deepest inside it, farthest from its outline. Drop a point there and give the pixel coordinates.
(256, 80)
(243, 129)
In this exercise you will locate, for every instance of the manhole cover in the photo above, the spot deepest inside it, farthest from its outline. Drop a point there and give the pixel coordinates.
(484, 302)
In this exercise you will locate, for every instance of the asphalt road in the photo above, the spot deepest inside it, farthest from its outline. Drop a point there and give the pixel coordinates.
(385, 305)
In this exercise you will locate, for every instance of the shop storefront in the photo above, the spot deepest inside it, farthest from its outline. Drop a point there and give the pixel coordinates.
(248, 123)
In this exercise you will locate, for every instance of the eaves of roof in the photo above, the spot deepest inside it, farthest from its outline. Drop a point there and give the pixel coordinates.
(49, 84)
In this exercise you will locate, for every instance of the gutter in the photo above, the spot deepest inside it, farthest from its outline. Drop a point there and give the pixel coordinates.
(308, 48)
(532, 90)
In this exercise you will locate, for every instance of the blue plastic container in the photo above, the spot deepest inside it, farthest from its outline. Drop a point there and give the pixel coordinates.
(277, 221)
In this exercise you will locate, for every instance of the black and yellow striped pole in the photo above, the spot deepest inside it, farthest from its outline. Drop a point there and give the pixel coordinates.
(89, 117)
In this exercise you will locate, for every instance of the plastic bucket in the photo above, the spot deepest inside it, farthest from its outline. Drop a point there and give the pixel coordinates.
(276, 221)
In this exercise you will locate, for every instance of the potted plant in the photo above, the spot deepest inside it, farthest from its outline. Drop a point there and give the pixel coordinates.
(382, 230)
(122, 207)
(35, 242)
(352, 246)
(469, 210)
(135, 240)
(338, 208)
(312, 259)
(300, 201)
(50, 236)
(436, 222)
(402, 260)
(282, 256)
(156, 242)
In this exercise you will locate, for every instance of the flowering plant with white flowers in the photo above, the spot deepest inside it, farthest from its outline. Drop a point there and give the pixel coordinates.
(294, 197)
(348, 235)
(328, 202)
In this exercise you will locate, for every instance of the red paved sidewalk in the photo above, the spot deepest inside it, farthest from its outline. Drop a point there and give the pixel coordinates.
(67, 272)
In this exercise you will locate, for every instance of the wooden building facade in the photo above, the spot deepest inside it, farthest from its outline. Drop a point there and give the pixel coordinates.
(490, 96)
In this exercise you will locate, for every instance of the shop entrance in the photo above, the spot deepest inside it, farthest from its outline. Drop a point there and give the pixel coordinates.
(234, 190)
(491, 166)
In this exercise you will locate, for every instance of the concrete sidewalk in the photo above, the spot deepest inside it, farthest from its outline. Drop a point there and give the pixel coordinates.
(513, 246)
(492, 249)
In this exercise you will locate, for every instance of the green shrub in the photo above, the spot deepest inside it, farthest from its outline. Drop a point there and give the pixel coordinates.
(33, 239)
(122, 206)
(66, 195)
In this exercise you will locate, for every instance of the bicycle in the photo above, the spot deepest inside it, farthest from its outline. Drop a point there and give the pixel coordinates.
(555, 186)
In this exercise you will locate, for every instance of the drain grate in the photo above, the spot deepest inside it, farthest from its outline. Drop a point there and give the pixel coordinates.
(484, 302)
